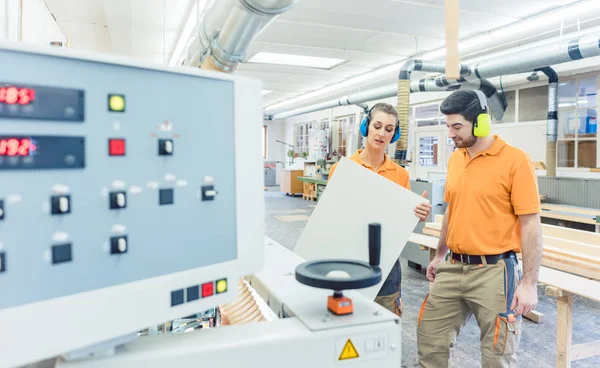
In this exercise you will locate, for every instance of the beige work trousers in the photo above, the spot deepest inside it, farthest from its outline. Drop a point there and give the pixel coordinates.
(461, 291)
(390, 302)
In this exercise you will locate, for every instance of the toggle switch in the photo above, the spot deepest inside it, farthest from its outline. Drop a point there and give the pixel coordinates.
(118, 200)
(2, 262)
(118, 245)
(1, 209)
(60, 204)
(208, 193)
(165, 147)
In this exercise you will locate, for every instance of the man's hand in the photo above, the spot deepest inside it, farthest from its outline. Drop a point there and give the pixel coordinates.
(431, 269)
(524, 300)
(422, 210)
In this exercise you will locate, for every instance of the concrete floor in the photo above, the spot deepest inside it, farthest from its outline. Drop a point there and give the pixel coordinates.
(538, 342)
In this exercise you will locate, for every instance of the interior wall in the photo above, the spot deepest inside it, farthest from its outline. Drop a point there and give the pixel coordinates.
(39, 26)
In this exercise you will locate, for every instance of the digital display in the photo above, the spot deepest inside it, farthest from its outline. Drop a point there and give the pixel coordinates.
(41, 152)
(17, 147)
(12, 95)
(24, 101)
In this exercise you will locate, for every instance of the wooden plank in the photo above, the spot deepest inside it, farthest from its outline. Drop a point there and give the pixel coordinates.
(587, 350)
(451, 13)
(424, 240)
(535, 316)
(576, 235)
(565, 217)
(571, 209)
(564, 331)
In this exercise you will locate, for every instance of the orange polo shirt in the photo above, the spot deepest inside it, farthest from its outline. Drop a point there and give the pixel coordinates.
(485, 196)
(389, 169)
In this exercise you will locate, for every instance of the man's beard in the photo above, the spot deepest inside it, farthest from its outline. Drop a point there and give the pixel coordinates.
(467, 143)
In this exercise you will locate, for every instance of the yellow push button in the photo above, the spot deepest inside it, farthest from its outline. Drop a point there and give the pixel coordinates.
(221, 286)
(116, 103)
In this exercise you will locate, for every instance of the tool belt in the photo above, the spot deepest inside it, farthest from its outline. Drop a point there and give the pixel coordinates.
(489, 259)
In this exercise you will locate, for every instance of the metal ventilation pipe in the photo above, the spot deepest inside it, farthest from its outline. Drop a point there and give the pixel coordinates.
(552, 125)
(228, 28)
(404, 90)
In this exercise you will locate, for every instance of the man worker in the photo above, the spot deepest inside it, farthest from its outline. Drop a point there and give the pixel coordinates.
(493, 213)
(381, 128)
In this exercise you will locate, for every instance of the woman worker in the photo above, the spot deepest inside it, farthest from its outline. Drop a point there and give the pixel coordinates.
(381, 128)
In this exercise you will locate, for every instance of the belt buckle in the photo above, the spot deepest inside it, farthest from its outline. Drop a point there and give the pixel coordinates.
(462, 260)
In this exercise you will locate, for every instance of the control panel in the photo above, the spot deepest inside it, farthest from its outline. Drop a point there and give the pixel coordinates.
(122, 183)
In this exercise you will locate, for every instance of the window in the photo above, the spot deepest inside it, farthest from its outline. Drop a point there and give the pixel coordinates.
(577, 123)
(301, 134)
(264, 141)
(313, 138)
(428, 151)
(428, 115)
(345, 130)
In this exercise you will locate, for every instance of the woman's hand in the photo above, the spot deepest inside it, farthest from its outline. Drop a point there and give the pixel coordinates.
(422, 210)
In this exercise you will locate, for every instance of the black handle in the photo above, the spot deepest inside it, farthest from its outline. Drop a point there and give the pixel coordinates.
(374, 244)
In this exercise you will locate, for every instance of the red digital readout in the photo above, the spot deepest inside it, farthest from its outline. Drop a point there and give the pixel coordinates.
(16, 96)
(16, 147)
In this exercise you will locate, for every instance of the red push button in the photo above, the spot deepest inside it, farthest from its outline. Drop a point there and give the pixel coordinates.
(116, 147)
(207, 289)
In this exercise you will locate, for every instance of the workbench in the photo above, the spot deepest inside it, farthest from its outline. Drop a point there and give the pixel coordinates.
(559, 284)
(312, 186)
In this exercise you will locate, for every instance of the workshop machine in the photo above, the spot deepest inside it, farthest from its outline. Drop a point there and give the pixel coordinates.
(132, 195)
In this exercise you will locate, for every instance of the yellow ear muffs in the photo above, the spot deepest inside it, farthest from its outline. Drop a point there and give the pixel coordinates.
(482, 126)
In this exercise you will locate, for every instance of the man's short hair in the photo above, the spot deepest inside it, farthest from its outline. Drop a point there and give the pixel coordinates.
(384, 107)
(462, 102)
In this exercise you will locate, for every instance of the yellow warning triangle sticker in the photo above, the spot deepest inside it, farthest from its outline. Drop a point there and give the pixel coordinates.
(349, 351)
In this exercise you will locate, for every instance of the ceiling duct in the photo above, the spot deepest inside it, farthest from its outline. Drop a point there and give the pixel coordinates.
(228, 28)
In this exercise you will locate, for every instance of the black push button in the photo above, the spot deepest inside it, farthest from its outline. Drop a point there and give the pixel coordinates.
(165, 147)
(1, 209)
(193, 293)
(61, 253)
(176, 297)
(118, 200)
(2, 262)
(165, 196)
(118, 245)
(61, 204)
(208, 193)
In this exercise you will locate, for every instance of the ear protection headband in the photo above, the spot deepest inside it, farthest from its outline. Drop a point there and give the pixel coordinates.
(482, 125)
(364, 126)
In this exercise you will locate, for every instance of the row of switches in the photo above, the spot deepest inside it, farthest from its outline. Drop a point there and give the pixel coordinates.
(61, 204)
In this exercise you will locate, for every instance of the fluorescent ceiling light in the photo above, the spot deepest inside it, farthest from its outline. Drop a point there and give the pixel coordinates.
(266, 92)
(295, 60)
(190, 24)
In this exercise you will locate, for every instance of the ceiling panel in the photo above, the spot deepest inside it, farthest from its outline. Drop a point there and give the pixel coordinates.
(366, 33)
(88, 37)
(82, 12)
(508, 8)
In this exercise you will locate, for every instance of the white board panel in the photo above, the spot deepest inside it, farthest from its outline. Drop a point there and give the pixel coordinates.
(339, 226)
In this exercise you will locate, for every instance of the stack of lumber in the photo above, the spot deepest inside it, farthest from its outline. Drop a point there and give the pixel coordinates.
(565, 249)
